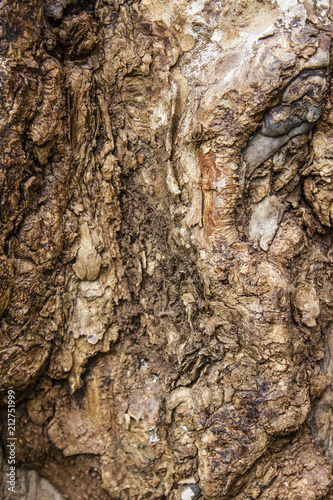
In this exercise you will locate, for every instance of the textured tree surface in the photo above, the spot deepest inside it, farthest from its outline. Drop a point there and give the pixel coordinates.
(166, 293)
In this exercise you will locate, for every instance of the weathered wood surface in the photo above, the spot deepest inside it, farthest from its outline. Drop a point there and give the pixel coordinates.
(166, 246)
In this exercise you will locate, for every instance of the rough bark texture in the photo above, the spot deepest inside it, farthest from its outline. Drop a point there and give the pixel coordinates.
(166, 247)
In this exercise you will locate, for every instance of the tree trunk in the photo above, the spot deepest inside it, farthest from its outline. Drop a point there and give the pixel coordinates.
(166, 248)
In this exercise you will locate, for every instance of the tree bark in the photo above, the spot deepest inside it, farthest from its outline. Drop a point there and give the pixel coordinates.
(166, 247)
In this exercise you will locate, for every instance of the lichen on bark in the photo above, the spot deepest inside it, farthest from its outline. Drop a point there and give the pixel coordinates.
(166, 261)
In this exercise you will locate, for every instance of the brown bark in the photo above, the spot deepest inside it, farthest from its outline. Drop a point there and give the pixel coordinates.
(166, 246)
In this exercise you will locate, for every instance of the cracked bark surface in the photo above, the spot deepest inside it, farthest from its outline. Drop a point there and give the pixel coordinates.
(166, 246)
